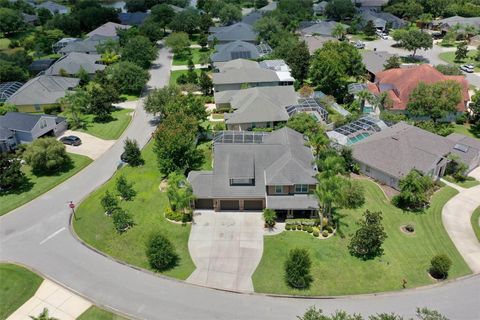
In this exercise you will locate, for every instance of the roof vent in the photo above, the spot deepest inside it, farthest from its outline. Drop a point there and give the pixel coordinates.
(461, 147)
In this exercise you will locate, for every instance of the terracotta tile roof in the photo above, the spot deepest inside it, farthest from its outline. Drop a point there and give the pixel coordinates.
(399, 83)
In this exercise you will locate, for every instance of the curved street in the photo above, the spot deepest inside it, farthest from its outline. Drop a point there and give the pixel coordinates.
(37, 235)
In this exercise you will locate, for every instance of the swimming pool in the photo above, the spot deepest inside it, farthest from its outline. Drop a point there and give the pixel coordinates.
(357, 138)
(368, 110)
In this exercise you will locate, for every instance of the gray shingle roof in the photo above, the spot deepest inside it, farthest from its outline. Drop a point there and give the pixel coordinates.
(72, 62)
(5, 133)
(259, 104)
(132, 18)
(323, 28)
(243, 71)
(85, 46)
(237, 31)
(466, 154)
(108, 29)
(234, 50)
(452, 21)
(375, 60)
(268, 157)
(53, 7)
(252, 17)
(20, 121)
(43, 90)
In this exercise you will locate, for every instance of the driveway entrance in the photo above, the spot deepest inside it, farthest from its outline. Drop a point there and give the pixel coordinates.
(226, 248)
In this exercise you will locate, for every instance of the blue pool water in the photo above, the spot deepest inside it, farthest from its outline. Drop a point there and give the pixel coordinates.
(357, 138)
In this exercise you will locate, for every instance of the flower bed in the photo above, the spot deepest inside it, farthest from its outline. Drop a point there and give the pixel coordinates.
(311, 226)
(177, 217)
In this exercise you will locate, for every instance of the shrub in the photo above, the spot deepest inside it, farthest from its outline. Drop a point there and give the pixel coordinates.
(297, 269)
(11, 174)
(269, 216)
(161, 253)
(46, 155)
(325, 233)
(299, 227)
(122, 220)
(324, 222)
(316, 233)
(304, 228)
(410, 228)
(440, 264)
(461, 119)
(173, 215)
(368, 239)
(131, 153)
(309, 229)
(329, 229)
(55, 109)
(288, 227)
(125, 189)
(109, 202)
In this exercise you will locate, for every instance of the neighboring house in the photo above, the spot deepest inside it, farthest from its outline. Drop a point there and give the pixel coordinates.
(374, 61)
(236, 50)
(53, 7)
(389, 155)
(18, 127)
(42, 91)
(319, 8)
(237, 31)
(73, 62)
(40, 65)
(108, 29)
(132, 18)
(399, 84)
(252, 17)
(88, 46)
(475, 41)
(30, 18)
(316, 42)
(451, 22)
(356, 131)
(318, 28)
(467, 148)
(257, 170)
(381, 20)
(265, 107)
(242, 74)
(7, 89)
(371, 4)
(62, 43)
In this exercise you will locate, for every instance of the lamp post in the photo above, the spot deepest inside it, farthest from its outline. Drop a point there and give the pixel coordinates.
(72, 206)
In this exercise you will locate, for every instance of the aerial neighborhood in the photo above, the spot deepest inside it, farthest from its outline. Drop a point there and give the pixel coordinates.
(289, 148)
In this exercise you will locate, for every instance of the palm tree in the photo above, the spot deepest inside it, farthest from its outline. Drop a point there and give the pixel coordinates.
(179, 192)
(363, 96)
(318, 141)
(110, 57)
(328, 192)
(43, 316)
(339, 31)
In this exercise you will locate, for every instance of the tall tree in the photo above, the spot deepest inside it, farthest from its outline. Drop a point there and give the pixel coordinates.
(162, 14)
(100, 100)
(46, 156)
(415, 39)
(230, 13)
(369, 29)
(368, 239)
(127, 77)
(140, 51)
(415, 191)
(187, 21)
(11, 21)
(462, 51)
(74, 105)
(178, 41)
(340, 9)
(179, 192)
(392, 63)
(297, 56)
(339, 31)
(11, 174)
(158, 99)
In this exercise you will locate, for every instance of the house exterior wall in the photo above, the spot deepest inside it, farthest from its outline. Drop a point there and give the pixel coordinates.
(217, 203)
(23, 137)
(287, 190)
(379, 176)
(43, 126)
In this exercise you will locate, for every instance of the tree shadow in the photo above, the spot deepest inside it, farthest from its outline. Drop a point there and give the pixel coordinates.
(55, 172)
(24, 186)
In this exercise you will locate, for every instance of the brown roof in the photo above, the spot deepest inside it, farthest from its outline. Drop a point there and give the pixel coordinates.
(400, 82)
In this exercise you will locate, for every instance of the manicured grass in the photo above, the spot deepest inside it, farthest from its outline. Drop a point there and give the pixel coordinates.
(475, 219)
(129, 97)
(17, 285)
(175, 74)
(109, 130)
(450, 58)
(95, 313)
(336, 272)
(147, 210)
(467, 130)
(206, 148)
(38, 185)
(194, 54)
(468, 183)
(4, 42)
(217, 116)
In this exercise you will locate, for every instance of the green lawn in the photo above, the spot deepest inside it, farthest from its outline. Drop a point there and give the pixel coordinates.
(129, 97)
(450, 58)
(95, 313)
(470, 182)
(476, 222)
(147, 209)
(194, 54)
(38, 185)
(466, 130)
(17, 285)
(175, 74)
(110, 130)
(217, 116)
(336, 272)
(4, 42)
(206, 147)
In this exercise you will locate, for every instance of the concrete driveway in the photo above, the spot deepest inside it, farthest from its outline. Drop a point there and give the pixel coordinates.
(226, 248)
(91, 146)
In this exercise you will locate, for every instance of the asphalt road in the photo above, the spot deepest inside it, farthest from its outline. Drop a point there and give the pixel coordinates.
(37, 235)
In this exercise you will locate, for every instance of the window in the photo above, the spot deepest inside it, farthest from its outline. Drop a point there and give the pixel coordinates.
(43, 124)
(242, 182)
(278, 189)
(301, 188)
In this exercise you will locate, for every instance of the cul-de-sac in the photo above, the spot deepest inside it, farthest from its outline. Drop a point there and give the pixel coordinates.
(240, 159)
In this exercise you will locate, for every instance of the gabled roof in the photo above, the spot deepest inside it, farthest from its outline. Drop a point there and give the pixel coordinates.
(19, 121)
(234, 50)
(399, 83)
(399, 149)
(260, 104)
(53, 7)
(43, 90)
(108, 29)
(132, 18)
(252, 17)
(85, 46)
(375, 60)
(380, 18)
(236, 31)
(243, 71)
(323, 28)
(7, 89)
(40, 65)
(74, 61)
(453, 21)
(5, 133)
(319, 7)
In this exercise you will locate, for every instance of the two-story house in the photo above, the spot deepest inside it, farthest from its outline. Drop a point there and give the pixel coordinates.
(257, 170)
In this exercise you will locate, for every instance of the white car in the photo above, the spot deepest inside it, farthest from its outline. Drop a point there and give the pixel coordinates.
(468, 68)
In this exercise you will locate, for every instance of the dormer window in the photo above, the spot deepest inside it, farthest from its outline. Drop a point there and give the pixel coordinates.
(242, 182)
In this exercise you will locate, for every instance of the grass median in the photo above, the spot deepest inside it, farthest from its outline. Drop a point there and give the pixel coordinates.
(147, 210)
(336, 272)
(110, 130)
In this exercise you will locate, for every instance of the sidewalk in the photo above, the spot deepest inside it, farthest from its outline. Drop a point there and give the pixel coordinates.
(185, 67)
(61, 303)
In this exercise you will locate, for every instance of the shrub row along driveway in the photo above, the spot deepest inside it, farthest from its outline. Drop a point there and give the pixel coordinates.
(226, 249)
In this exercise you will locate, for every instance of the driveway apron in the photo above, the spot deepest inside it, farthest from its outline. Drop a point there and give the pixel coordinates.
(226, 248)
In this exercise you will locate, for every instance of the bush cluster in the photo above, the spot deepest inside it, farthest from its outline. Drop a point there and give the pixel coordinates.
(297, 269)
(177, 216)
(440, 264)
(161, 252)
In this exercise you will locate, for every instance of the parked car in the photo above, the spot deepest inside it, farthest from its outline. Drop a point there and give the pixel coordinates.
(71, 140)
(123, 157)
(468, 68)
(359, 45)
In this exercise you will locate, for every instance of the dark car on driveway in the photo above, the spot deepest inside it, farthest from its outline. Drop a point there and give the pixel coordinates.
(71, 140)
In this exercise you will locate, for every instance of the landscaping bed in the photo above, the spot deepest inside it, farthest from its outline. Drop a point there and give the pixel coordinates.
(336, 272)
(17, 285)
(147, 209)
(38, 185)
(311, 226)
